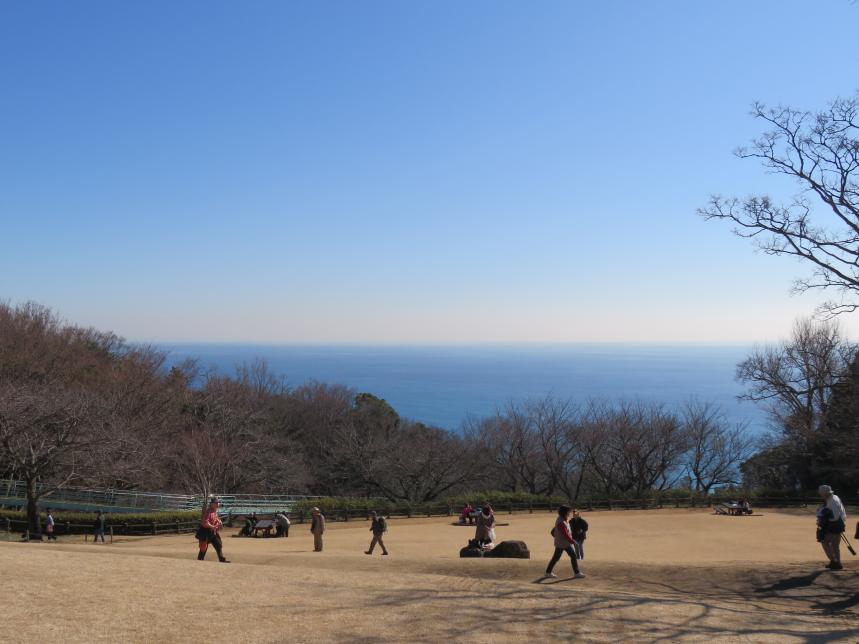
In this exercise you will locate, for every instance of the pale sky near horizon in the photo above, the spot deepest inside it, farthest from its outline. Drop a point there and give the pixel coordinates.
(400, 172)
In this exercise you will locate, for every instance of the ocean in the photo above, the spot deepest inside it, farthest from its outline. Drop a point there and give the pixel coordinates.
(444, 385)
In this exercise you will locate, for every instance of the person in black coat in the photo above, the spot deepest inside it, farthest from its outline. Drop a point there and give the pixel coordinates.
(579, 530)
(98, 528)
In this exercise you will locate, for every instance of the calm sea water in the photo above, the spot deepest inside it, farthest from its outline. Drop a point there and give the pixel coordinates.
(442, 385)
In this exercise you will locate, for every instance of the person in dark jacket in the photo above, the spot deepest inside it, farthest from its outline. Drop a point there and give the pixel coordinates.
(379, 527)
(98, 527)
(579, 530)
(563, 543)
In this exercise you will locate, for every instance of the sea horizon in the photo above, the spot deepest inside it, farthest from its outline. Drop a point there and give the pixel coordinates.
(446, 384)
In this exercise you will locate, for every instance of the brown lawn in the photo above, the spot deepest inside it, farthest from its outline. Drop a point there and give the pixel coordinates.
(668, 575)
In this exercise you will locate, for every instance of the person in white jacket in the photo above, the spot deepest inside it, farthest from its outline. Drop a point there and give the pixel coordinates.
(831, 526)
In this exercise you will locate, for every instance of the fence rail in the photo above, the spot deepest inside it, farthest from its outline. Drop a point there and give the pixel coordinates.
(14, 492)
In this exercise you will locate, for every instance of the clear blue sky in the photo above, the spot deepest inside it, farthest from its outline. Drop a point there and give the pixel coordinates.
(401, 171)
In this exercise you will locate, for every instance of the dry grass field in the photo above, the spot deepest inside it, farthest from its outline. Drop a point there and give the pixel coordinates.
(669, 575)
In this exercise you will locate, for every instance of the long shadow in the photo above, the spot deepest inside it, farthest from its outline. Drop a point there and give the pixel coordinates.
(482, 608)
(839, 606)
(800, 581)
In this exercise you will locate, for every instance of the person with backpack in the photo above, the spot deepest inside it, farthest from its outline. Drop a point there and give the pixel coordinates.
(579, 530)
(831, 520)
(379, 527)
(563, 543)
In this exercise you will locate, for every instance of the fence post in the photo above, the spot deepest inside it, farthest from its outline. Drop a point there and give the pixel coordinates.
(178, 531)
(154, 528)
(111, 534)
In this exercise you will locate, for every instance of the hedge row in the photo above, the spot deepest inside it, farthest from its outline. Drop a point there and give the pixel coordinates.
(341, 504)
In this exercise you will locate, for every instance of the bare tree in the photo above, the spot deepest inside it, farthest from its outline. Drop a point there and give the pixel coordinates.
(821, 152)
(43, 431)
(794, 380)
(637, 448)
(717, 448)
(422, 463)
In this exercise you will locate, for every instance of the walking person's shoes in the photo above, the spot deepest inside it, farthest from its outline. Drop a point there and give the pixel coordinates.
(384, 553)
(579, 575)
(836, 566)
(549, 575)
(367, 552)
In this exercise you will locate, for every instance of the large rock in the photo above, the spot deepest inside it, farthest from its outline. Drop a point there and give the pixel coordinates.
(468, 551)
(509, 550)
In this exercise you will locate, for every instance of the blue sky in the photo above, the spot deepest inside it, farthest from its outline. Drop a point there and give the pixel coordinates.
(401, 172)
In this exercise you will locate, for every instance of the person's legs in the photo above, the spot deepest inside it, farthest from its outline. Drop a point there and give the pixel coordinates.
(572, 553)
(317, 542)
(832, 547)
(286, 531)
(382, 544)
(554, 560)
(373, 543)
(204, 546)
(579, 547)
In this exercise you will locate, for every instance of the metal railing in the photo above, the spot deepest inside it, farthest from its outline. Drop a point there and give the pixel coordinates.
(14, 492)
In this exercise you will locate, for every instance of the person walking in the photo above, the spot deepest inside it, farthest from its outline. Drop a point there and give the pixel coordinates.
(379, 527)
(579, 530)
(98, 527)
(49, 526)
(317, 527)
(209, 532)
(563, 543)
(830, 524)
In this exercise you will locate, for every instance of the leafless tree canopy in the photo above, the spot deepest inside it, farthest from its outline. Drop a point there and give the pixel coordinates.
(798, 381)
(821, 225)
(79, 405)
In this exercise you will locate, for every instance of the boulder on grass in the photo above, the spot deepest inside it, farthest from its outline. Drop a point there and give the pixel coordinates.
(470, 552)
(510, 550)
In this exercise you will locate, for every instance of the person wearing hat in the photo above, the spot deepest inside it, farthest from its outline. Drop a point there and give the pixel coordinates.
(379, 527)
(830, 524)
(317, 527)
(209, 531)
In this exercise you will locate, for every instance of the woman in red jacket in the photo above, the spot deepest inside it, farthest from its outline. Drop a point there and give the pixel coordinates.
(563, 543)
(210, 532)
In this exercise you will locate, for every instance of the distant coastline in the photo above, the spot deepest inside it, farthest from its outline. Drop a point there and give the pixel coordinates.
(442, 385)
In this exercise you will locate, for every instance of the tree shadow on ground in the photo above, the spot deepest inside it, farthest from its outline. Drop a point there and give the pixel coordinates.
(583, 614)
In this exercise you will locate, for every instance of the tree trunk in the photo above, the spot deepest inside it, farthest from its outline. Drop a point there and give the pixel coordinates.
(34, 524)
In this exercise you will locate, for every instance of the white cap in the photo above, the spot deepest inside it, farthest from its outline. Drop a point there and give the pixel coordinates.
(824, 489)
